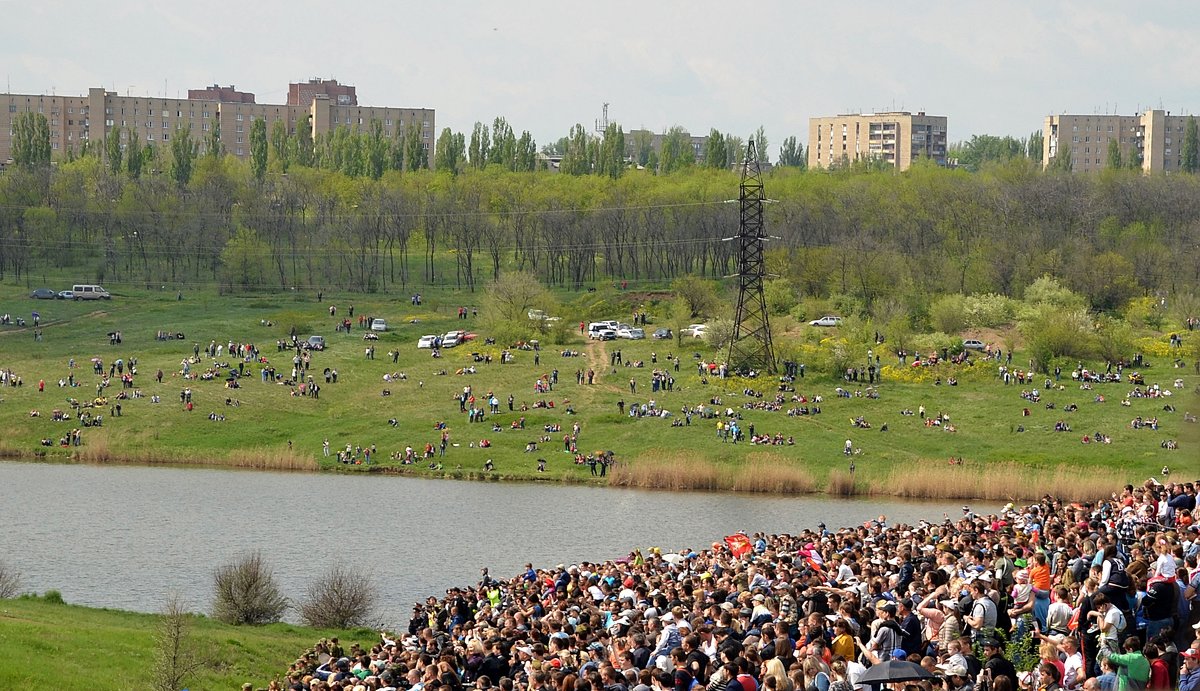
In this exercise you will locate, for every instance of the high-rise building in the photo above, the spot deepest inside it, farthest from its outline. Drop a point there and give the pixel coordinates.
(897, 138)
(302, 93)
(76, 119)
(1152, 141)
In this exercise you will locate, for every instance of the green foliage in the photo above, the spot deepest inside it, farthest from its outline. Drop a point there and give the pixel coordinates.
(984, 148)
(281, 146)
(1114, 339)
(305, 150)
(699, 294)
(30, 140)
(791, 154)
(112, 148)
(1114, 154)
(1051, 334)
(611, 159)
(258, 149)
(244, 260)
(780, 296)
(1191, 147)
(183, 156)
(719, 334)
(677, 151)
(949, 313)
(1034, 144)
(1048, 291)
(1061, 162)
(449, 152)
(715, 155)
(578, 159)
(989, 310)
(506, 305)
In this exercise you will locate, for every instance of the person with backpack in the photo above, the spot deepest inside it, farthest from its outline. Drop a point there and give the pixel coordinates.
(1133, 669)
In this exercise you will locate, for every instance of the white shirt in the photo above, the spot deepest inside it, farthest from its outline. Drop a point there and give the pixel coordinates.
(1073, 671)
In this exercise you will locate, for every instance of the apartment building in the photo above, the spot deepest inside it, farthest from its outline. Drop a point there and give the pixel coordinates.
(1153, 140)
(897, 138)
(75, 119)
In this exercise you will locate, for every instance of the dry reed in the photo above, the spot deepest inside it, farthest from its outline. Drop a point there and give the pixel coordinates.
(843, 484)
(98, 451)
(769, 472)
(999, 481)
(658, 469)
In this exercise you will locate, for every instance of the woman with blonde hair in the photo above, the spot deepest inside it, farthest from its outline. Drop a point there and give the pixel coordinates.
(773, 669)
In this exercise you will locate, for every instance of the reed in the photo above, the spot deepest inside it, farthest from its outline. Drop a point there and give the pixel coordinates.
(999, 481)
(675, 470)
(98, 451)
(843, 484)
(769, 472)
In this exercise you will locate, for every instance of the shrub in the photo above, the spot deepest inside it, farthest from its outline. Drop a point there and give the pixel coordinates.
(246, 592)
(780, 296)
(989, 310)
(10, 582)
(342, 598)
(949, 313)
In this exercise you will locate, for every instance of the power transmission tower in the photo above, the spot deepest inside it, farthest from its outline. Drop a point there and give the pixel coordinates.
(750, 348)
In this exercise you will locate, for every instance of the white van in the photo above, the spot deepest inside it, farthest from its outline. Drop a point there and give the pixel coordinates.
(88, 291)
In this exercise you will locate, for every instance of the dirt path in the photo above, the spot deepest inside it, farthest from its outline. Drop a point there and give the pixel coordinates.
(597, 359)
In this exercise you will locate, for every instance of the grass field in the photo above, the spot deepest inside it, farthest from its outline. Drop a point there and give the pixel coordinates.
(45, 645)
(272, 428)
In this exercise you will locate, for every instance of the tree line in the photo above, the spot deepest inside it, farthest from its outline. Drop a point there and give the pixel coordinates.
(301, 214)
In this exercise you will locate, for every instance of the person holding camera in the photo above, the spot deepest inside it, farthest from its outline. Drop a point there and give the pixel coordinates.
(954, 677)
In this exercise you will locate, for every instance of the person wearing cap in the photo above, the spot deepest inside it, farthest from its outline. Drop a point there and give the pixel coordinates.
(996, 665)
(668, 640)
(887, 636)
(956, 678)
(1189, 672)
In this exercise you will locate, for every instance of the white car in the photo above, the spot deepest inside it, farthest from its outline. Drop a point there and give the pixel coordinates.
(696, 330)
(378, 324)
(428, 341)
(827, 320)
(974, 344)
(452, 339)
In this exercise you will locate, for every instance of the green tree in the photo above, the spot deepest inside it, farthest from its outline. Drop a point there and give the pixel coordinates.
(1191, 147)
(448, 153)
(376, 152)
(1062, 158)
(477, 152)
(244, 260)
(677, 152)
(504, 144)
(183, 156)
(735, 150)
(611, 160)
(1033, 145)
(760, 144)
(699, 293)
(526, 154)
(258, 148)
(415, 155)
(280, 145)
(112, 148)
(305, 149)
(715, 154)
(791, 154)
(578, 158)
(212, 143)
(643, 146)
(1114, 154)
(30, 140)
(135, 156)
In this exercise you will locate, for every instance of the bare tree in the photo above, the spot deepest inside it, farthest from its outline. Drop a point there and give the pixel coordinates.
(10, 582)
(246, 592)
(342, 598)
(175, 656)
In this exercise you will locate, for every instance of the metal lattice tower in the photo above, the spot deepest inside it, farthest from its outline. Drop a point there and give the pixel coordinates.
(751, 347)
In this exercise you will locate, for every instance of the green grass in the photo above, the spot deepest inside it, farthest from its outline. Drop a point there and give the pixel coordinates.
(353, 411)
(60, 646)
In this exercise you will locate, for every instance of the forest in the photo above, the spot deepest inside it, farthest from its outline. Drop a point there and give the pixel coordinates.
(177, 219)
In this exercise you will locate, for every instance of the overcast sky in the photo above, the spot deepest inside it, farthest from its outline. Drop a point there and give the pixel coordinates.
(994, 67)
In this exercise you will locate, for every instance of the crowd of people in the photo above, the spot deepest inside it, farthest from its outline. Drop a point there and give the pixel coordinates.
(1054, 595)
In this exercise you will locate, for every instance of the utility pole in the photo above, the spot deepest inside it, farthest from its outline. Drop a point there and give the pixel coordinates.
(750, 348)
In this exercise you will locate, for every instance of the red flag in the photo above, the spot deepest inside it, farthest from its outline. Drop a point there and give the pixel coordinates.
(738, 544)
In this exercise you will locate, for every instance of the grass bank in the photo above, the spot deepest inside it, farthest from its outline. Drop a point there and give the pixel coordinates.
(394, 402)
(45, 645)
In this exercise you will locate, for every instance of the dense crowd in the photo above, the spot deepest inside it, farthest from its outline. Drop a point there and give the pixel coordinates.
(1089, 595)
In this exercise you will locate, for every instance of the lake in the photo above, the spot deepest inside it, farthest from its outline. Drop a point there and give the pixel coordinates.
(127, 536)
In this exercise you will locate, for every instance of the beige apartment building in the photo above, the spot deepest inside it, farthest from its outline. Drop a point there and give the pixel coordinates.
(898, 138)
(75, 119)
(1153, 138)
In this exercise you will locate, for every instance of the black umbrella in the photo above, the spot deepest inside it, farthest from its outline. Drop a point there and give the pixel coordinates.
(893, 670)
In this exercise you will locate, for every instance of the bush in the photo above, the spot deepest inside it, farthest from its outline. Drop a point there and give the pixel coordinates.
(780, 296)
(343, 598)
(949, 313)
(246, 592)
(10, 582)
(989, 310)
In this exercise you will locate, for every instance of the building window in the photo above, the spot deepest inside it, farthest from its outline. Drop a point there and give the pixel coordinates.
(204, 114)
(239, 151)
(166, 137)
(150, 137)
(1075, 139)
(239, 117)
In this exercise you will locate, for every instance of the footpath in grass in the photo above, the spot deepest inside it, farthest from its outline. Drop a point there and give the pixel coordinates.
(389, 396)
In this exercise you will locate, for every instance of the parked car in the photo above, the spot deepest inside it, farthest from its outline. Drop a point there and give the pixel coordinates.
(973, 344)
(427, 341)
(315, 343)
(90, 291)
(827, 320)
(606, 335)
(43, 294)
(662, 334)
(452, 339)
(66, 295)
(633, 333)
(696, 330)
(378, 324)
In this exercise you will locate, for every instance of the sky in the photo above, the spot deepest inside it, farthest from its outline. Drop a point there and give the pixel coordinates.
(994, 67)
